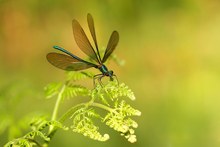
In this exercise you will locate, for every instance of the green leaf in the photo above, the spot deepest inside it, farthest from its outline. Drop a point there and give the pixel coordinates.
(21, 142)
(83, 124)
(76, 76)
(109, 97)
(31, 135)
(73, 91)
(52, 89)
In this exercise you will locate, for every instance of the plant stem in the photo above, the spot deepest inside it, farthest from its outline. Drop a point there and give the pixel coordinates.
(56, 107)
(70, 112)
(103, 107)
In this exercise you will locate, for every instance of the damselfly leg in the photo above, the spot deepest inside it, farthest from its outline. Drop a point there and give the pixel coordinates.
(99, 77)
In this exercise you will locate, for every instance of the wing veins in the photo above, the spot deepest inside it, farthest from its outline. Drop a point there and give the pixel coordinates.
(66, 62)
(112, 43)
(83, 41)
(93, 34)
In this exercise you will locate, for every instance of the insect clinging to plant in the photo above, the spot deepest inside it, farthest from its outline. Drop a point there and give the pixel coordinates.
(71, 62)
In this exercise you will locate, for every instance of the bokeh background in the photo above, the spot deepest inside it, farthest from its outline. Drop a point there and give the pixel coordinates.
(171, 50)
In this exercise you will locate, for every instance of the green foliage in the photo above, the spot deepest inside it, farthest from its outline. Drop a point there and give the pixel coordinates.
(83, 124)
(52, 89)
(76, 76)
(74, 90)
(38, 134)
(110, 97)
(14, 91)
(118, 114)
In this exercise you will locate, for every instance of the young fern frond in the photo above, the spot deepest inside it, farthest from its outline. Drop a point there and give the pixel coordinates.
(52, 89)
(28, 140)
(118, 116)
(112, 90)
(126, 109)
(98, 94)
(83, 124)
(110, 97)
(76, 76)
(52, 123)
(38, 126)
(71, 91)
(31, 135)
(20, 142)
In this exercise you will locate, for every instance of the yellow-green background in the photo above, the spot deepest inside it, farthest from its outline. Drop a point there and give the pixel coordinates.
(172, 54)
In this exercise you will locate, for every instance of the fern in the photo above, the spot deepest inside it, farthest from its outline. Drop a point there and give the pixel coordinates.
(83, 124)
(28, 140)
(38, 126)
(111, 98)
(20, 142)
(76, 76)
(52, 89)
(74, 90)
(118, 120)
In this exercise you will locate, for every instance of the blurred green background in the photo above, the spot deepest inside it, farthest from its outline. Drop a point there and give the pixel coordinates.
(172, 54)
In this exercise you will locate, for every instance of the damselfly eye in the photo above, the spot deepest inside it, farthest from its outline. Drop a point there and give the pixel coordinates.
(110, 72)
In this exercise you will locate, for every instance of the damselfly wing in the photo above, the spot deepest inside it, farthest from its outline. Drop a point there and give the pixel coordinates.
(71, 62)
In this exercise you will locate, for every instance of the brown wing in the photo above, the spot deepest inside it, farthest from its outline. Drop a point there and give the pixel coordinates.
(92, 31)
(83, 42)
(66, 62)
(112, 43)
